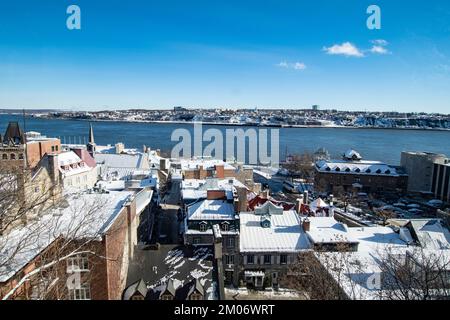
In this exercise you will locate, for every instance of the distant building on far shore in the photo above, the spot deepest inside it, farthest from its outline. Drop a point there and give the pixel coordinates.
(315, 107)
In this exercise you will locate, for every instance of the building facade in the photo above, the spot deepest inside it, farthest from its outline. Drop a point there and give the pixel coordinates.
(353, 173)
(419, 167)
(440, 185)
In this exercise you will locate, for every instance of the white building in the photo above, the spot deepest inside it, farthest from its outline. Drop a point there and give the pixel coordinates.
(76, 173)
(270, 241)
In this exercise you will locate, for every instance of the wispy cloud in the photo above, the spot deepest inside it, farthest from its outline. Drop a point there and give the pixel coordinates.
(379, 50)
(292, 65)
(345, 49)
(379, 46)
(380, 42)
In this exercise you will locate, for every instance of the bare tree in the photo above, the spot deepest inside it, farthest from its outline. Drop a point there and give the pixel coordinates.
(302, 165)
(417, 274)
(323, 275)
(44, 233)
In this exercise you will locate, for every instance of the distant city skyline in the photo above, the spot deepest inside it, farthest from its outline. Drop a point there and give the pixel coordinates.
(227, 54)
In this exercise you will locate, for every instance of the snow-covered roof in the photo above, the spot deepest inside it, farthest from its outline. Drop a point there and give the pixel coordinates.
(136, 161)
(356, 167)
(431, 234)
(197, 188)
(193, 164)
(211, 210)
(68, 158)
(85, 216)
(71, 164)
(318, 203)
(283, 235)
(328, 230)
(352, 154)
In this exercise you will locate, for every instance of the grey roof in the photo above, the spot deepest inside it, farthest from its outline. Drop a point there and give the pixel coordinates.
(196, 286)
(137, 161)
(137, 287)
(14, 134)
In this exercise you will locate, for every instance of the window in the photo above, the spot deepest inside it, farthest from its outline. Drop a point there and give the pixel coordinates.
(166, 297)
(13, 156)
(83, 293)
(267, 259)
(5, 156)
(137, 297)
(250, 259)
(196, 240)
(53, 148)
(230, 242)
(79, 262)
(196, 296)
(203, 226)
(225, 226)
(229, 259)
(20, 156)
(283, 259)
(36, 189)
(56, 148)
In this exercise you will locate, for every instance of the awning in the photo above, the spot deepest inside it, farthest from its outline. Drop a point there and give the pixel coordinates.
(249, 273)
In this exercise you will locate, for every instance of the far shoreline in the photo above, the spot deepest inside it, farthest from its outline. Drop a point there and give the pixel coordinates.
(230, 124)
(245, 125)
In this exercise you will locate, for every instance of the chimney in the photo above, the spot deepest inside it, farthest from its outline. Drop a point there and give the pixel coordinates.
(305, 197)
(306, 225)
(216, 194)
(242, 197)
(236, 205)
(298, 204)
(162, 164)
(265, 194)
(53, 167)
(119, 147)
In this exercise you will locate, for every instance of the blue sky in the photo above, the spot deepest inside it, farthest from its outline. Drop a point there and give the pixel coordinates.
(206, 53)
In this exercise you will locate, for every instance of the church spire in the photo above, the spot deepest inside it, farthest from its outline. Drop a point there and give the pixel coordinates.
(91, 134)
(91, 146)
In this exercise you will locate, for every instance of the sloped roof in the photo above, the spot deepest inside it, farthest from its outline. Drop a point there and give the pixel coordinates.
(137, 287)
(284, 234)
(268, 208)
(211, 210)
(14, 134)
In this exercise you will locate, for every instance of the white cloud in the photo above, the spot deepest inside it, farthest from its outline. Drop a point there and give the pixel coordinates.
(294, 65)
(283, 64)
(380, 42)
(379, 50)
(346, 49)
(299, 66)
(379, 46)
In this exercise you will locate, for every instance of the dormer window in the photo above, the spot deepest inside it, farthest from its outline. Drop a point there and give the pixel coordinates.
(225, 226)
(347, 170)
(358, 170)
(368, 171)
(337, 169)
(378, 171)
(327, 169)
(388, 171)
(203, 226)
